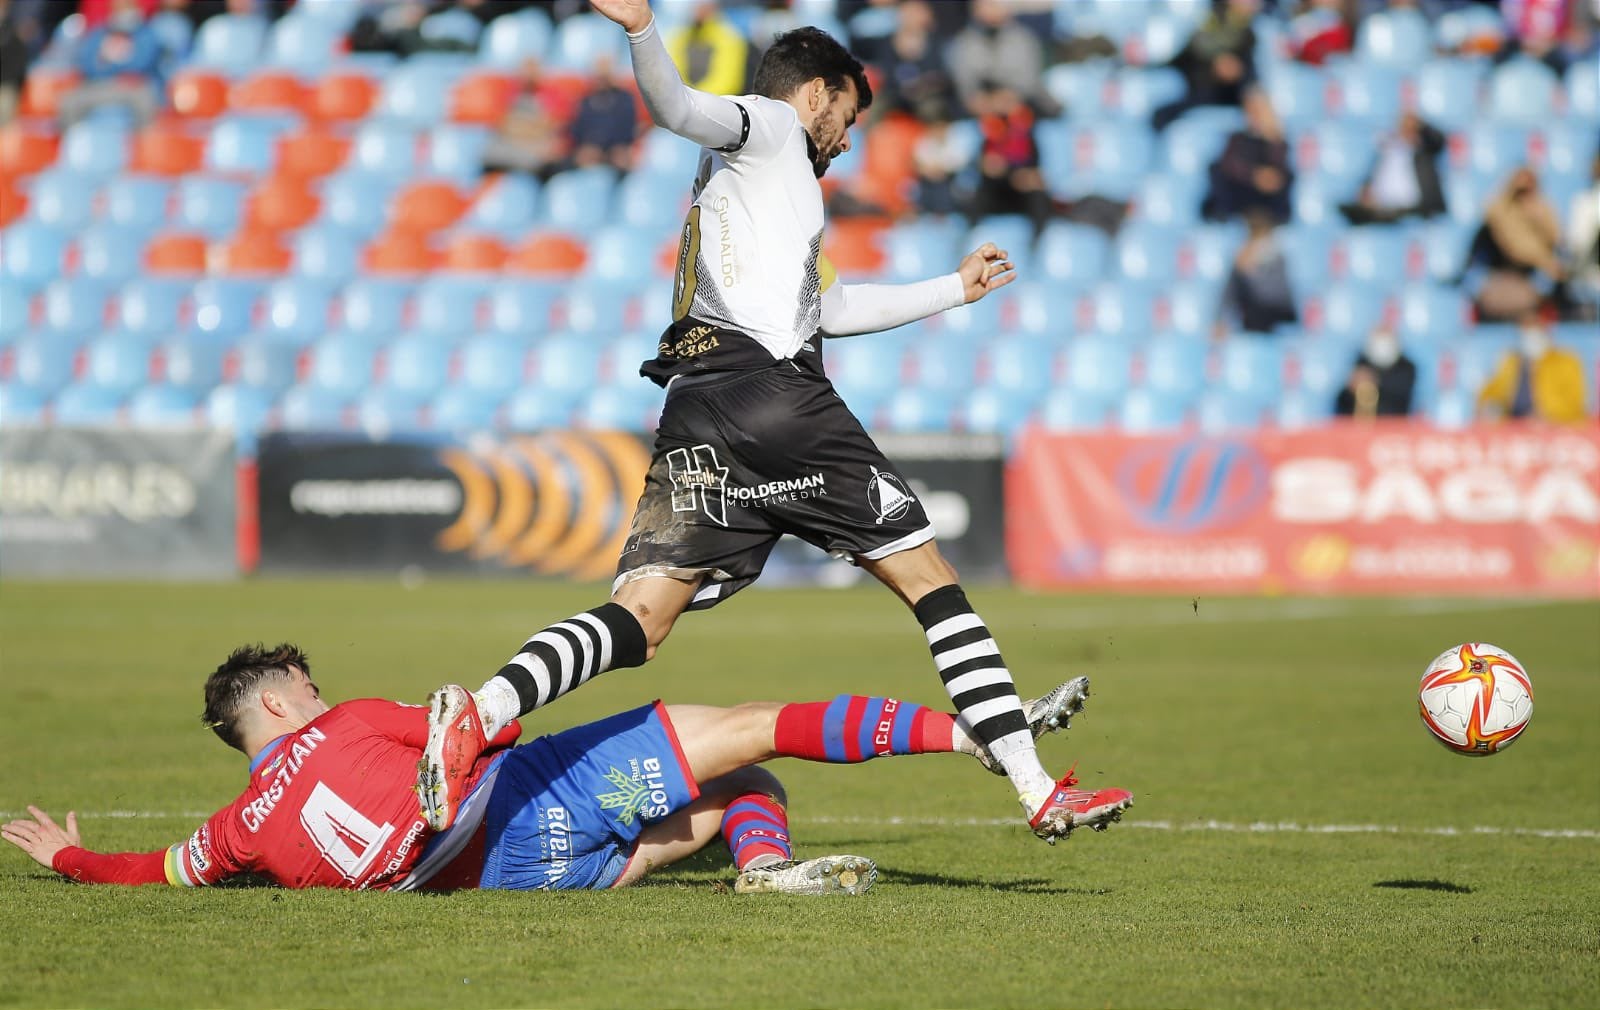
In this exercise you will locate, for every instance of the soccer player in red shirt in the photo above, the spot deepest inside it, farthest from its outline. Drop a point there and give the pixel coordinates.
(330, 800)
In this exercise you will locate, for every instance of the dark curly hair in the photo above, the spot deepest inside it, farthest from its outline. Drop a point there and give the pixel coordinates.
(230, 688)
(805, 54)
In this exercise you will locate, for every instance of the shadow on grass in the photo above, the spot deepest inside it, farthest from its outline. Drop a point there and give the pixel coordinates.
(1424, 885)
(1020, 885)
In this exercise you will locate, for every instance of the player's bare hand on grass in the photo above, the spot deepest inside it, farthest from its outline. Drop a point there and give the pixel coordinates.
(632, 15)
(985, 269)
(42, 837)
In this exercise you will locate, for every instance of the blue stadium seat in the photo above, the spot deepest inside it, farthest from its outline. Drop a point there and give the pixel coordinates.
(1466, 194)
(669, 157)
(919, 409)
(94, 147)
(1011, 232)
(87, 404)
(1583, 89)
(866, 369)
(1075, 254)
(1493, 148)
(1046, 308)
(618, 253)
(265, 365)
(537, 408)
(110, 253)
(1175, 367)
(373, 307)
(209, 206)
(418, 365)
(152, 306)
(45, 363)
(981, 320)
(1455, 27)
(1433, 313)
(313, 408)
(1297, 92)
(1369, 93)
(1168, 199)
(1079, 87)
(1309, 251)
(1251, 368)
(494, 363)
(1444, 243)
(1099, 366)
(567, 364)
(1219, 412)
(1021, 365)
(1116, 155)
(384, 148)
(1398, 38)
(229, 43)
(243, 145)
(356, 202)
(1522, 90)
(630, 406)
(21, 404)
(1341, 153)
(925, 247)
(1475, 360)
(514, 38)
(943, 362)
(62, 198)
(464, 409)
(1298, 409)
(415, 95)
(32, 254)
(385, 410)
(225, 307)
(523, 308)
(1447, 92)
(1345, 310)
(455, 153)
(1569, 148)
(598, 307)
(342, 14)
(1323, 366)
(296, 311)
(452, 25)
(1145, 411)
(303, 41)
(1141, 92)
(1071, 410)
(75, 306)
(1374, 255)
(163, 406)
(449, 304)
(1210, 249)
(1190, 308)
(242, 409)
(1148, 253)
(14, 312)
(579, 200)
(1192, 143)
(652, 204)
(990, 411)
(327, 254)
(582, 39)
(1125, 310)
(508, 207)
(191, 364)
(1454, 409)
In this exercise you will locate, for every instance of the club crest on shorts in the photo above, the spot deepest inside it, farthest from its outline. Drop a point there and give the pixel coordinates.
(888, 496)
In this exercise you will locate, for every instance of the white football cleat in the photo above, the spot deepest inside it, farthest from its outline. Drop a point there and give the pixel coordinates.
(1048, 714)
(825, 875)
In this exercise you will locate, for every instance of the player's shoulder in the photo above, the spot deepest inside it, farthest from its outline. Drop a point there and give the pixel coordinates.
(366, 709)
(769, 110)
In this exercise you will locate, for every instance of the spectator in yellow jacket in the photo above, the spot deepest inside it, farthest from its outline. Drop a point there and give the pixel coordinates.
(711, 53)
(1537, 380)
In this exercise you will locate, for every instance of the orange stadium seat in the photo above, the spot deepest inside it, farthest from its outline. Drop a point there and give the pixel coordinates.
(311, 154)
(550, 253)
(852, 244)
(12, 202)
(270, 91)
(24, 152)
(281, 204)
(167, 150)
(479, 253)
(176, 254)
(198, 94)
(429, 206)
(400, 252)
(254, 252)
(343, 97)
(42, 91)
(482, 99)
(887, 173)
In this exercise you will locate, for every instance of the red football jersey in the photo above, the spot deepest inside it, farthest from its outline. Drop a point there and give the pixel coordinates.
(328, 806)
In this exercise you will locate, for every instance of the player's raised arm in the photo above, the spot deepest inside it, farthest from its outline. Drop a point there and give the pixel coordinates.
(849, 309)
(708, 120)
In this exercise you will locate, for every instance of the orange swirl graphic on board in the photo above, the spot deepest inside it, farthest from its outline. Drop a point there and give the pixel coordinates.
(559, 502)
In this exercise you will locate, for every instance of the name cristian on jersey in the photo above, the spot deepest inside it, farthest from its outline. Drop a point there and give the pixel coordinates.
(256, 812)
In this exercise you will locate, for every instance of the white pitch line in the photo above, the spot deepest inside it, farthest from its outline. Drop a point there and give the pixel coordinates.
(1219, 827)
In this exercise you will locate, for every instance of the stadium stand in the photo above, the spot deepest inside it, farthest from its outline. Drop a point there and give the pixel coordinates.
(306, 236)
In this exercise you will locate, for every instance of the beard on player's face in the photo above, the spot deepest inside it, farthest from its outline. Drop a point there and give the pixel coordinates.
(824, 151)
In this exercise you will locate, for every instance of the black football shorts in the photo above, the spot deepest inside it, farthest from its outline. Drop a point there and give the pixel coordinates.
(742, 458)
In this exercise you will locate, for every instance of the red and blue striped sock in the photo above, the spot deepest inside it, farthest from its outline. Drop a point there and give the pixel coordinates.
(853, 728)
(755, 825)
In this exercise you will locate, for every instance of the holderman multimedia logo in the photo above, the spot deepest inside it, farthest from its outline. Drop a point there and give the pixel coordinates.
(558, 502)
(1193, 484)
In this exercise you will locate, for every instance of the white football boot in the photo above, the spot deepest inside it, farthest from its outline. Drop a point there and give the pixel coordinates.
(824, 875)
(1048, 714)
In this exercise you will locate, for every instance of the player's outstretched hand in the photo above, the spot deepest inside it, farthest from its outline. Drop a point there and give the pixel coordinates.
(633, 15)
(985, 269)
(41, 837)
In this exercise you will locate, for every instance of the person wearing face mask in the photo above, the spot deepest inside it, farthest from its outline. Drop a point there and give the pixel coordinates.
(1538, 380)
(1381, 381)
(121, 66)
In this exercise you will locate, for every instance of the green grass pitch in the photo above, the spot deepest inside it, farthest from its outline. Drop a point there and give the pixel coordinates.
(1298, 840)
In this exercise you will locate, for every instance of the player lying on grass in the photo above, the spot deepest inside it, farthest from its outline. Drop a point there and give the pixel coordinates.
(331, 801)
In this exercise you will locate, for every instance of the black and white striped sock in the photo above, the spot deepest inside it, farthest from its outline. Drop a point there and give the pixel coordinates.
(559, 659)
(981, 687)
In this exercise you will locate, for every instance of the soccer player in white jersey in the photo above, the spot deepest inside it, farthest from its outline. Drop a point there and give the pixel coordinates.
(753, 441)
